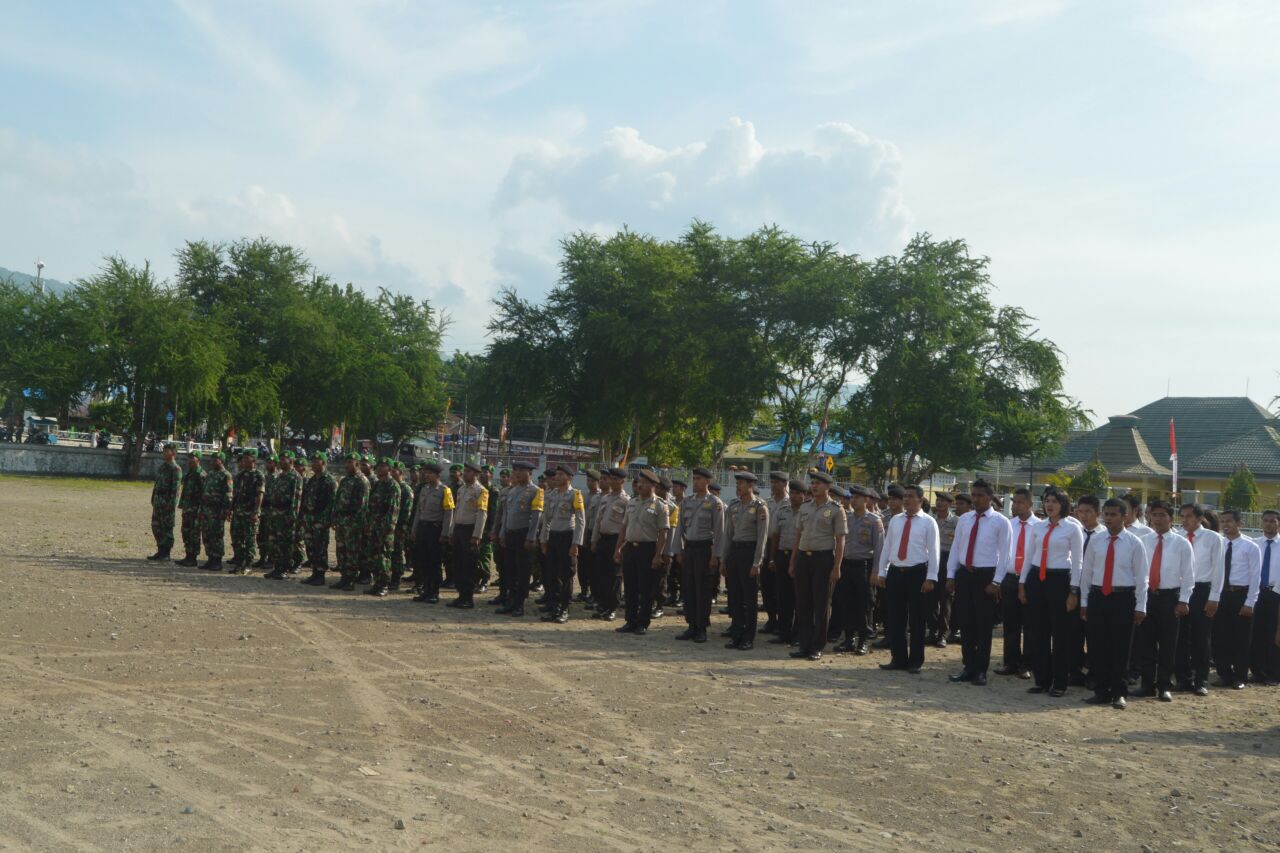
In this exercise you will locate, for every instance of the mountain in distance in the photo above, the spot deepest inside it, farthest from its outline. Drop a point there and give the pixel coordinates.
(51, 285)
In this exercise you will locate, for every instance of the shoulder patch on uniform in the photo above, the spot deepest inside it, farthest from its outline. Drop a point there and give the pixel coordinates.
(446, 500)
(482, 499)
(536, 504)
(577, 500)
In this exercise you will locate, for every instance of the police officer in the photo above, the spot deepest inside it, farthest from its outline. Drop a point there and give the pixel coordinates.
(782, 522)
(746, 534)
(189, 503)
(862, 553)
(640, 551)
(518, 529)
(432, 527)
(778, 498)
(469, 520)
(563, 528)
(611, 516)
(701, 540)
(815, 564)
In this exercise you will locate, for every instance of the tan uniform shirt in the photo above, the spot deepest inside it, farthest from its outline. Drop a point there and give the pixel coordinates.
(646, 519)
(819, 525)
(473, 506)
(747, 521)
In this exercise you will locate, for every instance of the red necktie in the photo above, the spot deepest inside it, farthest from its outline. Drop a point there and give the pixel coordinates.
(906, 535)
(973, 541)
(1153, 581)
(1021, 552)
(1044, 552)
(1111, 566)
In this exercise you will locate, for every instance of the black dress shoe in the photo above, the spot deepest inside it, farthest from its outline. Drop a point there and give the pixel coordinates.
(891, 666)
(516, 611)
(815, 655)
(456, 603)
(732, 644)
(1037, 689)
(961, 677)
(861, 649)
(979, 679)
(1119, 704)
(1097, 699)
(561, 617)
(1007, 670)
(1058, 692)
(377, 589)
(700, 637)
(1239, 685)
(746, 646)
(686, 634)
(626, 628)
(1200, 690)
(346, 584)
(1166, 696)
(275, 575)
(609, 616)
(778, 641)
(941, 644)
(640, 631)
(913, 670)
(656, 613)
(799, 654)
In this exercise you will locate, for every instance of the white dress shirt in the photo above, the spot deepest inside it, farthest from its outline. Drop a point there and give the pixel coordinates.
(922, 543)
(1246, 566)
(1018, 527)
(1066, 547)
(1092, 534)
(1206, 545)
(991, 549)
(1129, 568)
(1177, 563)
(1274, 581)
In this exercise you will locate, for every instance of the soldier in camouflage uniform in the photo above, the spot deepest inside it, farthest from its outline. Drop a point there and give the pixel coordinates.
(299, 553)
(348, 517)
(245, 508)
(284, 499)
(317, 517)
(215, 510)
(380, 527)
(487, 556)
(404, 523)
(365, 564)
(263, 538)
(164, 503)
(189, 503)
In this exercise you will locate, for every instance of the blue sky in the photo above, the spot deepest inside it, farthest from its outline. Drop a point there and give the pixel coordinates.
(1117, 161)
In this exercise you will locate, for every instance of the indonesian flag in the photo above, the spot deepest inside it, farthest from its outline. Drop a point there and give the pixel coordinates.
(1173, 454)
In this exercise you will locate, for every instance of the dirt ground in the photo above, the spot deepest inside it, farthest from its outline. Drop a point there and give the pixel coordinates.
(147, 707)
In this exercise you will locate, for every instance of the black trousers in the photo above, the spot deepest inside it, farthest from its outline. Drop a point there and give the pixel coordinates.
(466, 561)
(939, 622)
(743, 589)
(699, 583)
(1047, 626)
(1011, 617)
(586, 566)
(904, 614)
(1110, 621)
(427, 556)
(516, 566)
(785, 594)
(975, 612)
(606, 574)
(1155, 641)
(813, 598)
(1263, 653)
(560, 565)
(854, 591)
(640, 580)
(768, 589)
(1231, 635)
(1195, 640)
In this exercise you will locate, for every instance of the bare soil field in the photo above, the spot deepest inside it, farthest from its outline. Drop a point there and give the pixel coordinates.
(145, 706)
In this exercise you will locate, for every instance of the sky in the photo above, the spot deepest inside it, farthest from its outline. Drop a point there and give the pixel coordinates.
(1117, 162)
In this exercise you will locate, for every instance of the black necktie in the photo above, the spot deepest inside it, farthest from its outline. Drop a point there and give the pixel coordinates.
(1087, 535)
(1226, 581)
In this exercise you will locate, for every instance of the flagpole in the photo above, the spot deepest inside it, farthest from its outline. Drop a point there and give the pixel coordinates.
(1173, 456)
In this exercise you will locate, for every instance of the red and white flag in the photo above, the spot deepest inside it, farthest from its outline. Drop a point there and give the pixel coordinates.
(1173, 454)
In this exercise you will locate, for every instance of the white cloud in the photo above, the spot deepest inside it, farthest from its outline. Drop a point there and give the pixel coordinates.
(842, 186)
(1231, 40)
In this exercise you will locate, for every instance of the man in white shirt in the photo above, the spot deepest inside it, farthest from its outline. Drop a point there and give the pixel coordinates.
(1233, 615)
(1191, 667)
(1171, 578)
(1113, 582)
(908, 563)
(1133, 516)
(1021, 530)
(1264, 653)
(980, 550)
(1088, 511)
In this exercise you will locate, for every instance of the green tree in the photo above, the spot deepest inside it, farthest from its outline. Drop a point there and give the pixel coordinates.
(1092, 480)
(1240, 491)
(41, 363)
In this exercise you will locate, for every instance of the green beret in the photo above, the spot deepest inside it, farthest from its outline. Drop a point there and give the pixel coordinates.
(271, 457)
(368, 457)
(288, 454)
(194, 454)
(218, 454)
(488, 468)
(251, 452)
(455, 467)
(317, 456)
(504, 472)
(388, 461)
(353, 457)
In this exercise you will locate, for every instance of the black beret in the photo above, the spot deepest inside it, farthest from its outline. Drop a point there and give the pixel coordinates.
(714, 486)
(665, 481)
(471, 466)
(435, 467)
(821, 477)
(779, 476)
(702, 472)
(745, 475)
(679, 481)
(620, 473)
(896, 491)
(798, 486)
(839, 491)
(650, 475)
(521, 465)
(565, 468)
(964, 496)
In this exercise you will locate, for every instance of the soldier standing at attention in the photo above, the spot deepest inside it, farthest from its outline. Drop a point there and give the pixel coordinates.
(862, 553)
(563, 527)
(678, 489)
(263, 538)
(348, 516)
(469, 520)
(663, 491)
(381, 517)
(299, 550)
(190, 503)
(283, 501)
(498, 507)
(215, 510)
(318, 495)
(432, 526)
(782, 521)
(640, 551)
(164, 503)
(486, 562)
(249, 486)
(700, 540)
(518, 529)
(363, 565)
(769, 577)
(611, 515)
(746, 533)
(404, 524)
(586, 560)
(815, 564)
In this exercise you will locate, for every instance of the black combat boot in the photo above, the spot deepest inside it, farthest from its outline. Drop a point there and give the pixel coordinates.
(189, 560)
(344, 583)
(213, 564)
(275, 575)
(379, 589)
(316, 579)
(160, 554)
(364, 578)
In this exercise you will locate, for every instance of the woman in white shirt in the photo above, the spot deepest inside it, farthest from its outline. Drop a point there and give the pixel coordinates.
(1054, 553)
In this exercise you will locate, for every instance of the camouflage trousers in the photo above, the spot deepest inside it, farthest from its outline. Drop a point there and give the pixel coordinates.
(213, 530)
(263, 539)
(191, 532)
(486, 566)
(399, 552)
(278, 527)
(244, 530)
(316, 535)
(162, 526)
(299, 551)
(348, 541)
(378, 547)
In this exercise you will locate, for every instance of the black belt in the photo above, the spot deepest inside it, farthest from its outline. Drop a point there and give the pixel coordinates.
(1234, 588)
(752, 544)
(819, 553)
(978, 568)
(562, 532)
(633, 543)
(697, 543)
(1036, 569)
(909, 568)
(1114, 588)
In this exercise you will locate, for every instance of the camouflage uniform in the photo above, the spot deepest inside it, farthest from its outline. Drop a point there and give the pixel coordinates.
(317, 517)
(486, 543)
(219, 492)
(244, 514)
(189, 503)
(280, 517)
(298, 552)
(164, 503)
(404, 523)
(380, 528)
(264, 530)
(348, 515)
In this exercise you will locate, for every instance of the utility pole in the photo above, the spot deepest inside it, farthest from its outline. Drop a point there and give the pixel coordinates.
(39, 277)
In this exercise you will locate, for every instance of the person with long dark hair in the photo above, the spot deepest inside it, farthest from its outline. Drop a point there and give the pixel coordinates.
(1055, 552)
